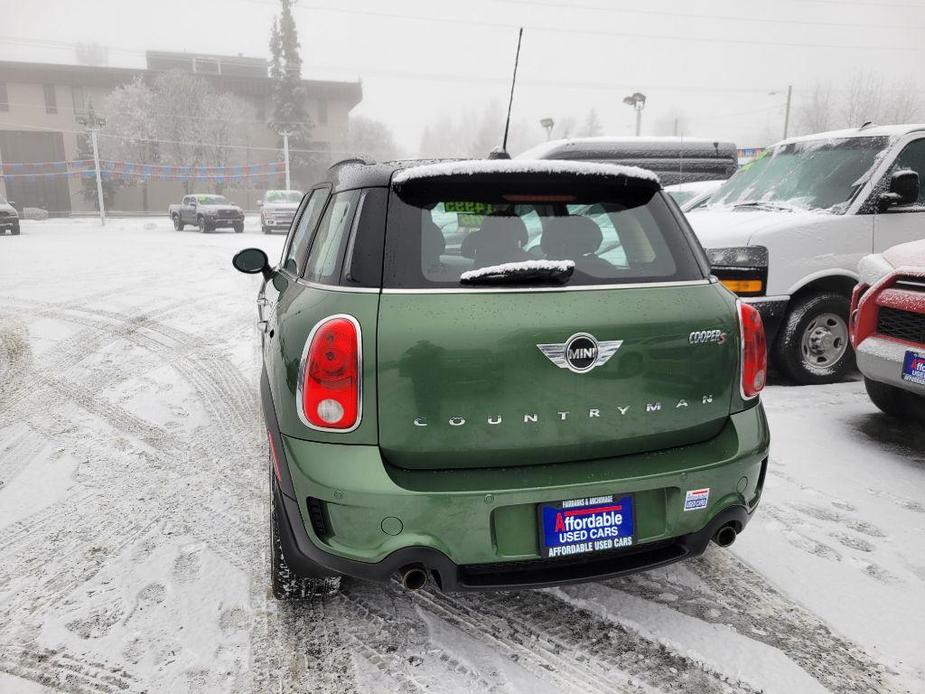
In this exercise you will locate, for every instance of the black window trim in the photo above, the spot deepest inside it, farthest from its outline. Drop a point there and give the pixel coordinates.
(311, 245)
(870, 205)
(295, 225)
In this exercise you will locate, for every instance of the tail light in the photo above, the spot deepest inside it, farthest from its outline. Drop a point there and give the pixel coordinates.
(754, 351)
(329, 388)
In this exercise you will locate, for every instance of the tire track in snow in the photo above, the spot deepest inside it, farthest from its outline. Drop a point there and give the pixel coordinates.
(56, 669)
(738, 596)
(574, 647)
(380, 632)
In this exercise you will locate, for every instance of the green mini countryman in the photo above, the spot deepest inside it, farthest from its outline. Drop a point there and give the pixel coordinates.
(501, 374)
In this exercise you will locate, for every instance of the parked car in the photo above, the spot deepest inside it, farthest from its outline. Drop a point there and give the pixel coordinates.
(9, 217)
(674, 159)
(277, 208)
(888, 329)
(690, 196)
(489, 419)
(786, 234)
(208, 212)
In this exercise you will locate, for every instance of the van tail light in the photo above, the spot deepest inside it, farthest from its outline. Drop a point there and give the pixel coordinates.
(754, 351)
(329, 393)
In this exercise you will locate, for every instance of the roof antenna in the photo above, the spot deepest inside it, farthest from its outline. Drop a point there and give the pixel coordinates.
(502, 153)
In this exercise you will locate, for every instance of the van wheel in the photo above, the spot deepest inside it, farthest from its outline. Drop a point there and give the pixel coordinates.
(177, 224)
(286, 584)
(813, 345)
(896, 402)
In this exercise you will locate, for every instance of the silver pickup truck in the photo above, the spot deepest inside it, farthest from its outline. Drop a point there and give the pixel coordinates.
(208, 212)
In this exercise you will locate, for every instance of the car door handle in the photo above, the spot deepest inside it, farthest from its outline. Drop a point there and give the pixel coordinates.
(262, 301)
(263, 325)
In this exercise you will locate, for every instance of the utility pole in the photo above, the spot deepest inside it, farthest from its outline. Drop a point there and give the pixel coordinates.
(92, 126)
(285, 134)
(787, 110)
(638, 101)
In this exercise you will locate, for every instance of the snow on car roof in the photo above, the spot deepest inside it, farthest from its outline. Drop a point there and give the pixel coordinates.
(541, 150)
(547, 166)
(869, 131)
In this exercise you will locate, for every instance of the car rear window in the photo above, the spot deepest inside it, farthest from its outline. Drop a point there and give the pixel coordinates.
(613, 236)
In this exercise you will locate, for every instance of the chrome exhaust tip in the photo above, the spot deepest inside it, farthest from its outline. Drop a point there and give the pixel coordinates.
(413, 578)
(725, 536)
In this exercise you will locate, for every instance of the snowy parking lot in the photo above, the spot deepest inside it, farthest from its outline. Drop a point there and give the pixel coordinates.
(134, 520)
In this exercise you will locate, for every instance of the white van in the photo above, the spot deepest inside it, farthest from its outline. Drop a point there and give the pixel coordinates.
(786, 233)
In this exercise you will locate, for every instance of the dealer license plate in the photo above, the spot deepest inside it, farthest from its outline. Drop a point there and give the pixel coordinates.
(914, 367)
(582, 526)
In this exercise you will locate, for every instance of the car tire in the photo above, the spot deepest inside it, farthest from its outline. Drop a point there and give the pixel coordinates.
(813, 346)
(239, 228)
(14, 231)
(265, 230)
(203, 226)
(177, 223)
(896, 402)
(287, 584)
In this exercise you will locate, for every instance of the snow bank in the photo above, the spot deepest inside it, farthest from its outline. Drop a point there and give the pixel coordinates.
(494, 166)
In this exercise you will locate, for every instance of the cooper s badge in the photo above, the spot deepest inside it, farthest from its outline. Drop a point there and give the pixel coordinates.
(580, 353)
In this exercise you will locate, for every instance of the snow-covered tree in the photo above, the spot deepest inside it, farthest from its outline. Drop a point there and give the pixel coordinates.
(132, 126)
(592, 125)
(289, 112)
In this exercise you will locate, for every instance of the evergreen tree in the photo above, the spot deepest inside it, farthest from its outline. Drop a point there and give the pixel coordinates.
(289, 113)
(88, 181)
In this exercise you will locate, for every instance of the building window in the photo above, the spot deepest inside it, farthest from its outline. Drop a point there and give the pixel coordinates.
(4, 99)
(323, 111)
(206, 66)
(79, 100)
(51, 103)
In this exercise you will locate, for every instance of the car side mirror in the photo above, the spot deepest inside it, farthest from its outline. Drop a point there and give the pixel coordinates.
(250, 261)
(904, 190)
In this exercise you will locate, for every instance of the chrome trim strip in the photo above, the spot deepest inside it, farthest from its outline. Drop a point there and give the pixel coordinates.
(760, 299)
(301, 377)
(533, 290)
(337, 287)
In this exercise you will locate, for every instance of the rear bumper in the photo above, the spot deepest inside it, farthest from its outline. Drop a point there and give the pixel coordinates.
(773, 310)
(477, 529)
(304, 557)
(881, 359)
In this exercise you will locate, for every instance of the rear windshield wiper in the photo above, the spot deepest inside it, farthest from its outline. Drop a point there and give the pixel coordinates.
(523, 272)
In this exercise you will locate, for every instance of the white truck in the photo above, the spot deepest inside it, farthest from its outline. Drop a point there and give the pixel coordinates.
(786, 233)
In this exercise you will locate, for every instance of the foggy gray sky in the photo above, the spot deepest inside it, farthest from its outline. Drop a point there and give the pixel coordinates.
(711, 62)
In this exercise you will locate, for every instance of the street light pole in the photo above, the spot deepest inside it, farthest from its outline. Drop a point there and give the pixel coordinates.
(638, 101)
(93, 125)
(285, 134)
(548, 124)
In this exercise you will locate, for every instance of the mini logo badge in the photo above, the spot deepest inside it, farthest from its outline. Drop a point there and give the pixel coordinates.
(696, 499)
(580, 353)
